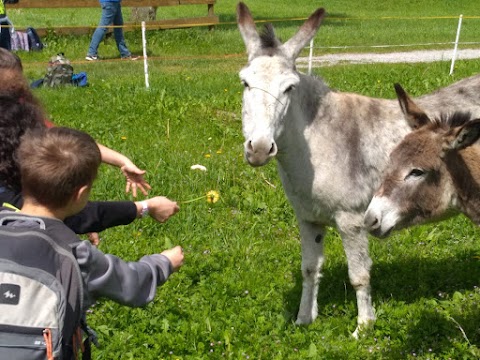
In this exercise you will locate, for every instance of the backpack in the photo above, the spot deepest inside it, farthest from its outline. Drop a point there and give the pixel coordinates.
(59, 72)
(19, 41)
(34, 41)
(39, 315)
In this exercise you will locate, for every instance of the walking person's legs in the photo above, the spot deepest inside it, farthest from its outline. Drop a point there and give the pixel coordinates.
(5, 41)
(109, 10)
(118, 33)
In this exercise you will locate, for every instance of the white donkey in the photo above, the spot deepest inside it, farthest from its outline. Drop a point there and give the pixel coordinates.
(331, 148)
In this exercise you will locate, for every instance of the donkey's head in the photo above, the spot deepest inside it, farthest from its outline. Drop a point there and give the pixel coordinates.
(270, 79)
(418, 186)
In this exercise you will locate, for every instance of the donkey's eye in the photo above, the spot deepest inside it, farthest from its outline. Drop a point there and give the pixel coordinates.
(245, 84)
(415, 173)
(290, 88)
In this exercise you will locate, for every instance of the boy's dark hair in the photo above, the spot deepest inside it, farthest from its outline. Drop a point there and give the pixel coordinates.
(19, 112)
(10, 60)
(55, 163)
(17, 115)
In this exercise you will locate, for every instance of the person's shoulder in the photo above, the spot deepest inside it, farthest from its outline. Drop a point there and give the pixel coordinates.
(10, 197)
(53, 228)
(57, 229)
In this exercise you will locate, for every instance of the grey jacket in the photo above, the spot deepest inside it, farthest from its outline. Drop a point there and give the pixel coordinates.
(106, 275)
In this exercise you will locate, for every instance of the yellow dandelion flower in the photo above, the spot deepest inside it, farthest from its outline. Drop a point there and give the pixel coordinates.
(207, 155)
(123, 138)
(219, 151)
(225, 90)
(213, 196)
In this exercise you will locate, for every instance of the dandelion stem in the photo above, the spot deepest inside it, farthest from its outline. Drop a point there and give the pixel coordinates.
(192, 200)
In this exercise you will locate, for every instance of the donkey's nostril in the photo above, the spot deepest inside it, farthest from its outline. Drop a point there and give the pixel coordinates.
(249, 146)
(371, 221)
(273, 150)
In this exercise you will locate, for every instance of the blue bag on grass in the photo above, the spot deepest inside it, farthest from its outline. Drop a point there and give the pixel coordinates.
(80, 79)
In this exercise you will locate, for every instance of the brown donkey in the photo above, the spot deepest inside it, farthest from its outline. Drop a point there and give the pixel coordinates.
(434, 172)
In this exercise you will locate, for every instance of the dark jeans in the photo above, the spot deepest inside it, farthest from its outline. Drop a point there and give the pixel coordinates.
(5, 41)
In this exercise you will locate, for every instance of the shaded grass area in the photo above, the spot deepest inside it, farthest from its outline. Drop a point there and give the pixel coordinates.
(263, 10)
(347, 24)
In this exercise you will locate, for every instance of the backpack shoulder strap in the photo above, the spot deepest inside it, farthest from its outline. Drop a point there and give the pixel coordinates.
(6, 217)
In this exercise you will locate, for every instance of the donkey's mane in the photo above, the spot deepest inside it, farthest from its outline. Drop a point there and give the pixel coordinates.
(458, 118)
(268, 38)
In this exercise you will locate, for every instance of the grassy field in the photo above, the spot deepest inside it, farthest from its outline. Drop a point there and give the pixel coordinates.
(238, 293)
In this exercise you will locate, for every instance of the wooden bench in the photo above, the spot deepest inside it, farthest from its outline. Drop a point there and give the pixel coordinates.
(209, 20)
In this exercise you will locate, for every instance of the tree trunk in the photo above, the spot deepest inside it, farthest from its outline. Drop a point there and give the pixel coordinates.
(140, 14)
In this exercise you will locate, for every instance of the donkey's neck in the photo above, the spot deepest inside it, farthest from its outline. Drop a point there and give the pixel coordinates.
(464, 169)
(306, 103)
(335, 145)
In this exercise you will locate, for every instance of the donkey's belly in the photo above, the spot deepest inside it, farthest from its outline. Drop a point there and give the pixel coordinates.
(319, 197)
(310, 204)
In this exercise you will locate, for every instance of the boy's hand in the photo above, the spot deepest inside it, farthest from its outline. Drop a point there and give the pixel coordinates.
(94, 238)
(161, 208)
(175, 255)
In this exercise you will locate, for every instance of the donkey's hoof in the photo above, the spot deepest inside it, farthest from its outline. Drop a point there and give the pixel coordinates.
(356, 334)
(363, 329)
(300, 322)
(304, 320)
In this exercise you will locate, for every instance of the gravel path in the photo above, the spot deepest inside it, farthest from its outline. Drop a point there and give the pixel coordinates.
(396, 57)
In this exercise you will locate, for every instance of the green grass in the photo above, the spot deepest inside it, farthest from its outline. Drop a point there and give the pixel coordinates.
(238, 293)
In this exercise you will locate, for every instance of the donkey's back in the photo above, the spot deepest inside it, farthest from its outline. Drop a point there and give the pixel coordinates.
(464, 95)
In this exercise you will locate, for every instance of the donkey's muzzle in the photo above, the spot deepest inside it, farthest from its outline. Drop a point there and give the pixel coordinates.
(260, 152)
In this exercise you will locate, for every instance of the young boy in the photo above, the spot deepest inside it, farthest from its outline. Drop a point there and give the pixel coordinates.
(58, 167)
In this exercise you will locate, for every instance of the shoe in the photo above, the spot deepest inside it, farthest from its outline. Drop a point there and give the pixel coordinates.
(91, 57)
(131, 57)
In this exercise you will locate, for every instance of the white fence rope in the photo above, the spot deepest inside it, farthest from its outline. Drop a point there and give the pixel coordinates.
(396, 45)
(456, 43)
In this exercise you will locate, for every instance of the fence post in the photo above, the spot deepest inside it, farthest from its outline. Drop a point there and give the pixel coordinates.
(145, 63)
(456, 44)
(310, 55)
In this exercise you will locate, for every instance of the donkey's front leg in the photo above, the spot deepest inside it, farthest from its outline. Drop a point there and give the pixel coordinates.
(312, 260)
(355, 243)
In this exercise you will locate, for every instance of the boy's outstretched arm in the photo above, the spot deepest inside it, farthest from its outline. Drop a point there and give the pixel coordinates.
(129, 283)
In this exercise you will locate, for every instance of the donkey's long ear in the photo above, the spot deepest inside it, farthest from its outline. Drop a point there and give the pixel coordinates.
(463, 137)
(306, 33)
(414, 115)
(248, 30)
